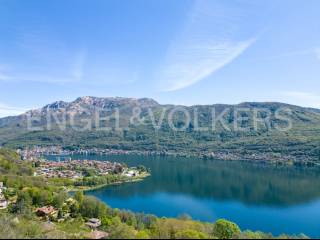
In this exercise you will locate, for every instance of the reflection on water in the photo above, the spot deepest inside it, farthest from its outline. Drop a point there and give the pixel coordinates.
(258, 197)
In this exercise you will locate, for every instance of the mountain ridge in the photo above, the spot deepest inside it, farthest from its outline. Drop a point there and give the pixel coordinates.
(91, 100)
(301, 142)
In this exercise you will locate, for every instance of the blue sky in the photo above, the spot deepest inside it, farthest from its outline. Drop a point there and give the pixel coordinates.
(182, 52)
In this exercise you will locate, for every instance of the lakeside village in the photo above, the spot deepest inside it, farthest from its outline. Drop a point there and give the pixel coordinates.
(267, 157)
(75, 169)
(83, 174)
(70, 176)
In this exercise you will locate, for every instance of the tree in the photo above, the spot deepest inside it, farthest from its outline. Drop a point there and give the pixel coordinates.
(74, 209)
(184, 217)
(224, 229)
(59, 199)
(142, 235)
(142, 169)
(24, 203)
(92, 208)
(60, 214)
(79, 197)
(121, 231)
(190, 234)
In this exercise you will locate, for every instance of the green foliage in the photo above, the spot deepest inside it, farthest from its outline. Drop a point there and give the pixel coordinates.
(122, 231)
(75, 210)
(143, 234)
(59, 199)
(224, 229)
(99, 180)
(11, 163)
(301, 142)
(92, 208)
(40, 197)
(254, 235)
(190, 234)
(79, 196)
(23, 204)
(32, 192)
(142, 169)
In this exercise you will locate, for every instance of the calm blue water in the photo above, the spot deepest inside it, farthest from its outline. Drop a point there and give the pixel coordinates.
(256, 197)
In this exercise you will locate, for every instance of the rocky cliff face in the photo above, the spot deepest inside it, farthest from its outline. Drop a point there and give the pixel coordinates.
(91, 103)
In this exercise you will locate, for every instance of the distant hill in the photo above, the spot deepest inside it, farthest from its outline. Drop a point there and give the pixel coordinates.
(145, 125)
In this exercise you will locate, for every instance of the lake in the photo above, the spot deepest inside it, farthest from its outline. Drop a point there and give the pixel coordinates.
(255, 196)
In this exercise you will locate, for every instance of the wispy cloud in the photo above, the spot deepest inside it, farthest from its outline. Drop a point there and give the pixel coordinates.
(208, 42)
(187, 69)
(6, 110)
(303, 98)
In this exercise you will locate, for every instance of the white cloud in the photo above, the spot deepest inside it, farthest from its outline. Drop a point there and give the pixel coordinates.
(193, 64)
(208, 42)
(306, 99)
(6, 110)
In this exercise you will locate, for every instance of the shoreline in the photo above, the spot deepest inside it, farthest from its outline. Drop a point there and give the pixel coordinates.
(88, 189)
(261, 158)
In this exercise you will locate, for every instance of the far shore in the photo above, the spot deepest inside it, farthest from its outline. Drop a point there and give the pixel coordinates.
(259, 158)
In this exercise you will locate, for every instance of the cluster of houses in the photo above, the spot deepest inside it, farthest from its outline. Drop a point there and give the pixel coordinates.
(3, 201)
(74, 169)
(36, 152)
(56, 170)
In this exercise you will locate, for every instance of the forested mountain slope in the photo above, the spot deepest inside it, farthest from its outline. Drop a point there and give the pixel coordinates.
(247, 130)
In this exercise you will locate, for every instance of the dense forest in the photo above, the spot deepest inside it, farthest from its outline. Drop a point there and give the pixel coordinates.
(165, 129)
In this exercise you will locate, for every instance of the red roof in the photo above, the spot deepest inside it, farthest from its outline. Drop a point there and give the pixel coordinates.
(45, 210)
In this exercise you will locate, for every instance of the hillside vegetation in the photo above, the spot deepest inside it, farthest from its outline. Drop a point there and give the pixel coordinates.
(26, 194)
(299, 143)
(11, 164)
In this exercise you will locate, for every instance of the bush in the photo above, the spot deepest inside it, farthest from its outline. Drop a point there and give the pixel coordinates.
(224, 229)
(93, 208)
(190, 234)
(142, 235)
(121, 231)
